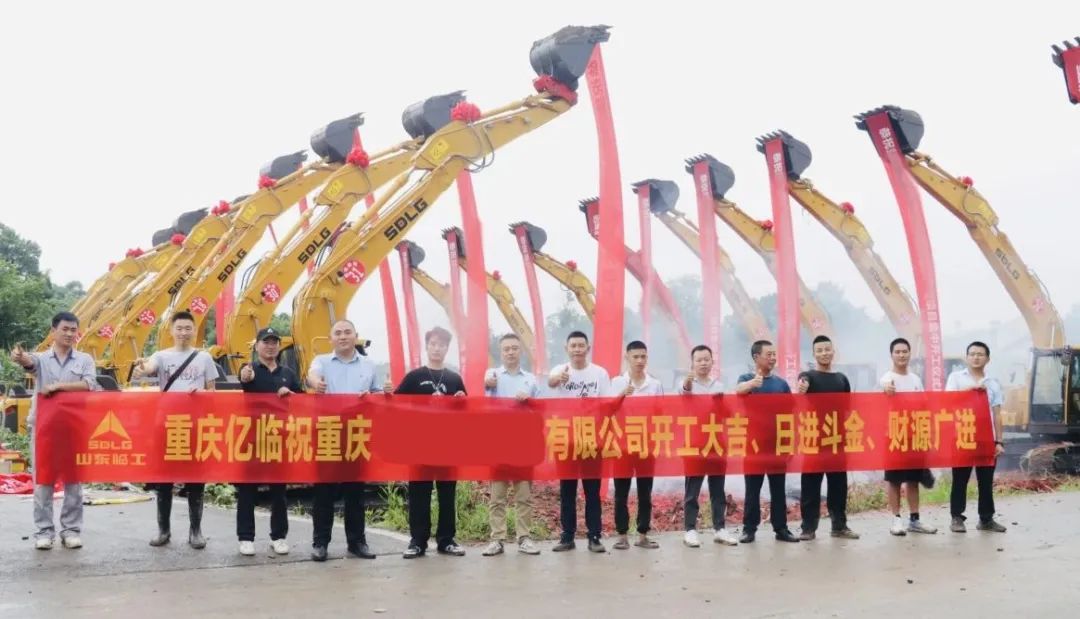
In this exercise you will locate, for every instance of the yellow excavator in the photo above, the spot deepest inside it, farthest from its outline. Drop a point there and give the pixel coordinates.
(745, 309)
(282, 183)
(456, 136)
(500, 293)
(1050, 402)
(264, 285)
(566, 273)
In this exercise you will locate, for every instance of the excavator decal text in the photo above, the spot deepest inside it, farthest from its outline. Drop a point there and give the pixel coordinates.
(314, 246)
(880, 282)
(1007, 263)
(188, 272)
(402, 223)
(227, 272)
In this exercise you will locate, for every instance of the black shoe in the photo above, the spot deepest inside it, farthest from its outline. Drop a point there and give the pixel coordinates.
(595, 545)
(747, 537)
(785, 535)
(360, 550)
(451, 549)
(318, 553)
(564, 546)
(413, 552)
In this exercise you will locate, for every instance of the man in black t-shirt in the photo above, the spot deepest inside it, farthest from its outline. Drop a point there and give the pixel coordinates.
(433, 379)
(265, 375)
(823, 379)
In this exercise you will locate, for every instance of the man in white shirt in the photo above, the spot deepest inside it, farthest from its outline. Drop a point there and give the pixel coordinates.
(701, 382)
(974, 377)
(510, 381)
(180, 369)
(579, 379)
(636, 382)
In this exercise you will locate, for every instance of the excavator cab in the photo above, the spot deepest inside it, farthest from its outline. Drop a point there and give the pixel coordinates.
(565, 54)
(1068, 60)
(721, 176)
(1055, 392)
(906, 124)
(662, 194)
(797, 155)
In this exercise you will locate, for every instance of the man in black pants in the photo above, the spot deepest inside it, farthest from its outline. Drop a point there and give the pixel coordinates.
(265, 375)
(823, 379)
(433, 379)
(762, 380)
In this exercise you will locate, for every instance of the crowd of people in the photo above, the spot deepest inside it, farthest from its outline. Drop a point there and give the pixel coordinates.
(345, 371)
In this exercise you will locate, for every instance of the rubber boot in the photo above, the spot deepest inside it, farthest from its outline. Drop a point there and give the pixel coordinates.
(195, 510)
(164, 509)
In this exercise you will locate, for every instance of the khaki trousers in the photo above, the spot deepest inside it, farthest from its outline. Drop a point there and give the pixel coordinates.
(522, 506)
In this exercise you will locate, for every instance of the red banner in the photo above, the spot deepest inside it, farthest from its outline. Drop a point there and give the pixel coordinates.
(611, 260)
(539, 328)
(476, 327)
(412, 328)
(645, 228)
(238, 437)
(787, 277)
(710, 276)
(918, 240)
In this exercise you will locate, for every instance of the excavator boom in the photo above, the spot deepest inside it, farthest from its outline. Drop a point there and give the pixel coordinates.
(456, 135)
(566, 273)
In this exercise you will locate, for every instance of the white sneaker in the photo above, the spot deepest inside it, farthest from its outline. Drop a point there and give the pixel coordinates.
(917, 526)
(247, 548)
(724, 537)
(279, 546)
(898, 527)
(71, 542)
(43, 543)
(691, 539)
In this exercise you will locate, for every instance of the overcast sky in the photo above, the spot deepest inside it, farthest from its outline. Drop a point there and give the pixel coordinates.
(119, 116)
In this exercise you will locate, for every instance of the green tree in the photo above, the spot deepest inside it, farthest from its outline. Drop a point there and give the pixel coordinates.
(20, 253)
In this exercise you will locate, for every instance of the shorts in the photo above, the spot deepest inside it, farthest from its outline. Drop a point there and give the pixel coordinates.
(907, 475)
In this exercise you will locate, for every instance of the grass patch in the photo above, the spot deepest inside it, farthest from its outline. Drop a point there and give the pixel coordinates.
(222, 495)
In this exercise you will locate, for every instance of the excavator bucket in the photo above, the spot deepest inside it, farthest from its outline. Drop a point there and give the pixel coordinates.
(186, 221)
(415, 252)
(1068, 60)
(721, 176)
(662, 194)
(334, 141)
(460, 239)
(565, 54)
(907, 125)
(796, 154)
(162, 236)
(590, 207)
(536, 235)
(425, 117)
(283, 166)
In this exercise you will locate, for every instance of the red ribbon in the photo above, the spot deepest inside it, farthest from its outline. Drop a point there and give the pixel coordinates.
(457, 302)
(611, 260)
(177, 239)
(266, 182)
(645, 230)
(710, 274)
(918, 239)
(540, 352)
(412, 328)
(1070, 63)
(787, 278)
(476, 328)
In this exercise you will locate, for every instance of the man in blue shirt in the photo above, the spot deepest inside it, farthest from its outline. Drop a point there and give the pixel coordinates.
(974, 377)
(762, 380)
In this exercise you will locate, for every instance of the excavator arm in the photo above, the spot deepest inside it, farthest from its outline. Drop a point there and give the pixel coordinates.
(960, 197)
(500, 293)
(282, 183)
(314, 234)
(759, 235)
(453, 141)
(566, 273)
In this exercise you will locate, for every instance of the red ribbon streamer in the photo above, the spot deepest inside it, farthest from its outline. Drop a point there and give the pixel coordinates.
(412, 328)
(710, 275)
(539, 328)
(645, 227)
(787, 278)
(611, 260)
(457, 303)
(476, 327)
(1070, 61)
(919, 249)
(237, 437)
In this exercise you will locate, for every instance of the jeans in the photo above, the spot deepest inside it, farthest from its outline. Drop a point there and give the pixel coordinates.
(836, 500)
(568, 508)
(717, 501)
(322, 512)
(420, 512)
(622, 509)
(71, 512)
(984, 477)
(245, 512)
(752, 508)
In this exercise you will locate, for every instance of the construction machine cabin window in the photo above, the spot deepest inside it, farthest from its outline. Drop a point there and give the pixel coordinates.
(1048, 378)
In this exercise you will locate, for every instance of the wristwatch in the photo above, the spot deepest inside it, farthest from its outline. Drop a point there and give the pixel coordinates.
(1002, 443)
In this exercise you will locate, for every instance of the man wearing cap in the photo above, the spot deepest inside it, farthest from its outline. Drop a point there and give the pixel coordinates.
(346, 370)
(265, 375)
